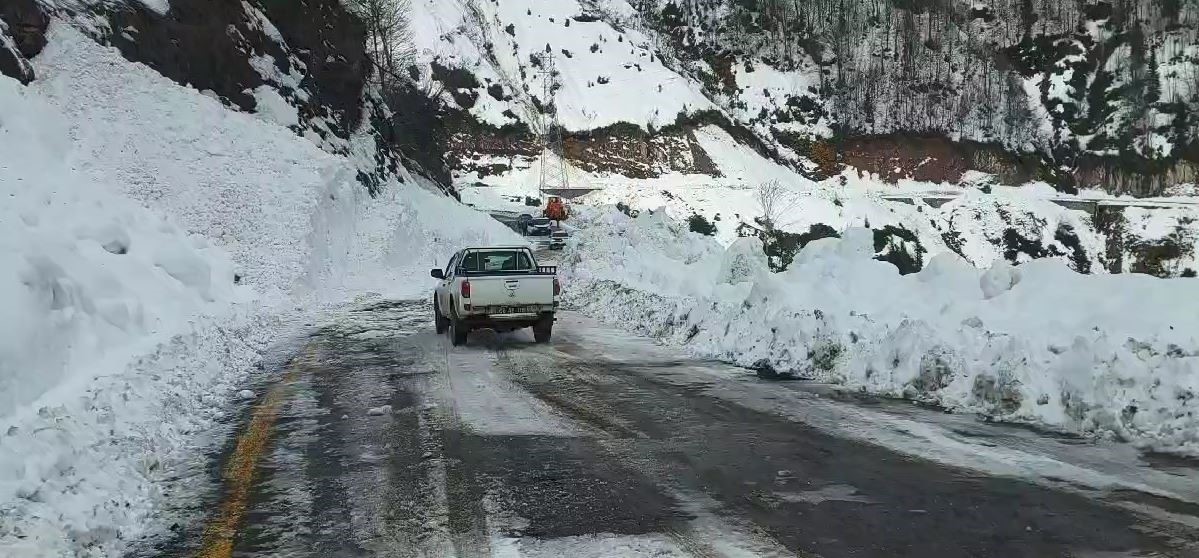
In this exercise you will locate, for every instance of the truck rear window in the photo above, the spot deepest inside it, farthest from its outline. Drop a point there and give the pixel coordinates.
(496, 260)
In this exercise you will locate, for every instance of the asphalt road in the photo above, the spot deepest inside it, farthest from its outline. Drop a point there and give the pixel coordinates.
(380, 439)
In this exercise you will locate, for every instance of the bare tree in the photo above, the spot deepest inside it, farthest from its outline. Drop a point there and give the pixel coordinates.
(389, 35)
(775, 202)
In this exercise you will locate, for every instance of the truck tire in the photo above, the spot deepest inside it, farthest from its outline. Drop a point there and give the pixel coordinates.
(543, 329)
(440, 323)
(458, 332)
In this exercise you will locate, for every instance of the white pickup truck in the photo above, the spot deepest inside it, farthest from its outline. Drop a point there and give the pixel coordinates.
(500, 288)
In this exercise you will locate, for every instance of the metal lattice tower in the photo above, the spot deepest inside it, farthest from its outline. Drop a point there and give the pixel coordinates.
(554, 174)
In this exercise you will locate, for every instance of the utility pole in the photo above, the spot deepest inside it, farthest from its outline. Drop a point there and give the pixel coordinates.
(553, 155)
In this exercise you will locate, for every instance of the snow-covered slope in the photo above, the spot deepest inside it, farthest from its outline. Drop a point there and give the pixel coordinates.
(156, 244)
(606, 75)
(1038, 343)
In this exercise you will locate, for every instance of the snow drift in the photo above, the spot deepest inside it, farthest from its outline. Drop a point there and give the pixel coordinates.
(1035, 343)
(155, 245)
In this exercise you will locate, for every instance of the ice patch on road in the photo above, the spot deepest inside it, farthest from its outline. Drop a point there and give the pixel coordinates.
(605, 545)
(830, 493)
(492, 405)
(379, 411)
(710, 533)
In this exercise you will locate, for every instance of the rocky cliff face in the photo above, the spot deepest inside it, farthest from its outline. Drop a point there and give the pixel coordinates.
(300, 64)
(22, 36)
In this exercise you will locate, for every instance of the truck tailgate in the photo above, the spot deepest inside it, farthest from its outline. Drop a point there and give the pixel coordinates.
(512, 290)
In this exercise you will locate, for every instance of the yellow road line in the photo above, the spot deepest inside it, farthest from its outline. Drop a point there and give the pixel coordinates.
(222, 529)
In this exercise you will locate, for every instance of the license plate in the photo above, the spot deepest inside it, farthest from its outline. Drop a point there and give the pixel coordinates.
(511, 310)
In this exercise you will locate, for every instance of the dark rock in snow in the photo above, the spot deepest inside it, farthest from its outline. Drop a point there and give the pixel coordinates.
(12, 64)
(198, 43)
(27, 25)
(331, 44)
(22, 36)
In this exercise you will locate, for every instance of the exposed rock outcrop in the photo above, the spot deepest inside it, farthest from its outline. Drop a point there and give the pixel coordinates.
(22, 36)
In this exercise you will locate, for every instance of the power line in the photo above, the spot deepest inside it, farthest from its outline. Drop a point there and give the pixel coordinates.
(553, 154)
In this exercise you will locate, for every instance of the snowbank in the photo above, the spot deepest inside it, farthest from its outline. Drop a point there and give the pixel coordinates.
(1036, 343)
(85, 270)
(156, 244)
(106, 367)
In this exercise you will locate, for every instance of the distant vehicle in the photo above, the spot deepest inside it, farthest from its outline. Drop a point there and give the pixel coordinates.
(500, 288)
(556, 209)
(558, 239)
(522, 223)
(539, 227)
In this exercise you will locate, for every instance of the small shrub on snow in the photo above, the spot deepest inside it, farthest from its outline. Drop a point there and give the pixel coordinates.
(824, 356)
(899, 247)
(700, 224)
(936, 373)
(781, 247)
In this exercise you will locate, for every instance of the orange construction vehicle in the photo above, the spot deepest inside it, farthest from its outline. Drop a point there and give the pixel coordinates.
(556, 209)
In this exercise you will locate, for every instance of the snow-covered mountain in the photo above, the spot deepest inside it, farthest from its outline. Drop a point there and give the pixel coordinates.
(692, 104)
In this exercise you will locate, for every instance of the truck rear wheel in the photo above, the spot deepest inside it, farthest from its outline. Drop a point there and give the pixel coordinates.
(458, 332)
(543, 329)
(440, 323)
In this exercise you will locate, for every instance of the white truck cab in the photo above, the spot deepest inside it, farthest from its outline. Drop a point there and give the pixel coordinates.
(498, 287)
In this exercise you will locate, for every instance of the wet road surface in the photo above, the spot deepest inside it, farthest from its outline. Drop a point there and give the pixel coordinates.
(385, 441)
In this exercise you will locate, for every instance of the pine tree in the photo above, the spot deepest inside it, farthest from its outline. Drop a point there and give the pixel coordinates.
(1153, 84)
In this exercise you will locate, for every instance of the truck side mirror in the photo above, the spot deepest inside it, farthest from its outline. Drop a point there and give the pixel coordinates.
(437, 273)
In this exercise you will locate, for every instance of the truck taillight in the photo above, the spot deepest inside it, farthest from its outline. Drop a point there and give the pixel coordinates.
(557, 287)
(466, 289)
